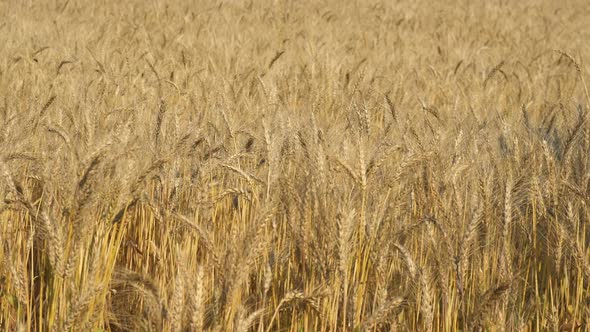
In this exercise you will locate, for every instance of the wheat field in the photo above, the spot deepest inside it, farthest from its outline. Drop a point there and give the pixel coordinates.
(294, 165)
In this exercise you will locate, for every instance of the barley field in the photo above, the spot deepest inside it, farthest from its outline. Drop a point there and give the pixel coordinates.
(294, 165)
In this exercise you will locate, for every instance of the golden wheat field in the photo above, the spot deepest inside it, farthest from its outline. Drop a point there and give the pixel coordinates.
(294, 165)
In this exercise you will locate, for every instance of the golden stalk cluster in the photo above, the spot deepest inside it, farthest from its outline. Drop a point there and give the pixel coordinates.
(294, 165)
